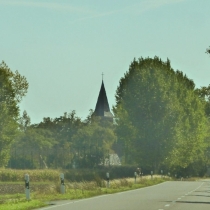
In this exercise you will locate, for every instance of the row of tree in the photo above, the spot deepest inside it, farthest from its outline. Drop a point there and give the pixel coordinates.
(65, 142)
(161, 122)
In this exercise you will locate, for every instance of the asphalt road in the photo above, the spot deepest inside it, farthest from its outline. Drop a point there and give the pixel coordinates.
(172, 195)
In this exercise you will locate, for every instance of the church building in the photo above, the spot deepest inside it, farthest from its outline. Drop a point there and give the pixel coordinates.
(102, 110)
(102, 106)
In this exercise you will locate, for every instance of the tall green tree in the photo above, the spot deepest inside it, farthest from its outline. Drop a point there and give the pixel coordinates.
(33, 145)
(93, 141)
(161, 113)
(13, 87)
(58, 132)
(63, 127)
(204, 94)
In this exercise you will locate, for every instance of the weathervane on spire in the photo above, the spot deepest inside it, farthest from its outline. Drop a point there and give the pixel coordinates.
(102, 75)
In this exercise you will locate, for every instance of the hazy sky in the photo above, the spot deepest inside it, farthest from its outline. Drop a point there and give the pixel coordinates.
(63, 46)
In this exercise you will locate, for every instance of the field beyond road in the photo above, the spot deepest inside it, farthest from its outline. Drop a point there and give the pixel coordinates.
(147, 191)
(74, 191)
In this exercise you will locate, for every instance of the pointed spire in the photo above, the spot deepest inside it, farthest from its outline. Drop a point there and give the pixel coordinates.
(102, 106)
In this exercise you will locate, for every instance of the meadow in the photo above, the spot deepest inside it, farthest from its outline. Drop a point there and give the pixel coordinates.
(42, 196)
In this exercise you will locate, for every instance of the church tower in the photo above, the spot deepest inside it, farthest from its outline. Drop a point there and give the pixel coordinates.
(102, 106)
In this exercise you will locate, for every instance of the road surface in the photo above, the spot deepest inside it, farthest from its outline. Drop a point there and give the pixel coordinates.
(172, 195)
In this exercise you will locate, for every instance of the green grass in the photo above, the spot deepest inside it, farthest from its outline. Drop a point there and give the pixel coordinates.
(22, 205)
(74, 190)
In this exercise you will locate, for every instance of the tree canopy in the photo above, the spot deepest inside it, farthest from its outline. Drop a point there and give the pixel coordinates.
(161, 121)
(160, 118)
(13, 87)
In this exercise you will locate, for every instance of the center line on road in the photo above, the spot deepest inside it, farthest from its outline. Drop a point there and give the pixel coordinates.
(167, 205)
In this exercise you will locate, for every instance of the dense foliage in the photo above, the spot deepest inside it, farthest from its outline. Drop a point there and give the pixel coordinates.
(161, 122)
(161, 119)
(64, 142)
(13, 87)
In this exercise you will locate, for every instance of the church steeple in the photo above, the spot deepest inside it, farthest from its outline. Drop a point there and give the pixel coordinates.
(102, 106)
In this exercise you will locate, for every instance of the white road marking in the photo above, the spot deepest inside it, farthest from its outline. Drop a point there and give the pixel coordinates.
(196, 188)
(141, 188)
(167, 205)
(71, 202)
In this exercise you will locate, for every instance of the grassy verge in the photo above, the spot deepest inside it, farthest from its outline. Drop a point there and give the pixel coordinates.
(74, 190)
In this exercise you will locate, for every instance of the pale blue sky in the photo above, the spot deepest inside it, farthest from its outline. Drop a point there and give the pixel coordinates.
(62, 47)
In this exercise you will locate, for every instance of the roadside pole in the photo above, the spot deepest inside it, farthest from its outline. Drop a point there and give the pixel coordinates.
(27, 189)
(62, 187)
(161, 173)
(135, 175)
(107, 179)
(151, 174)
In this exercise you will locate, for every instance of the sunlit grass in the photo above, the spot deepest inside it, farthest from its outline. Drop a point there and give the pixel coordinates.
(74, 190)
(12, 175)
(22, 205)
